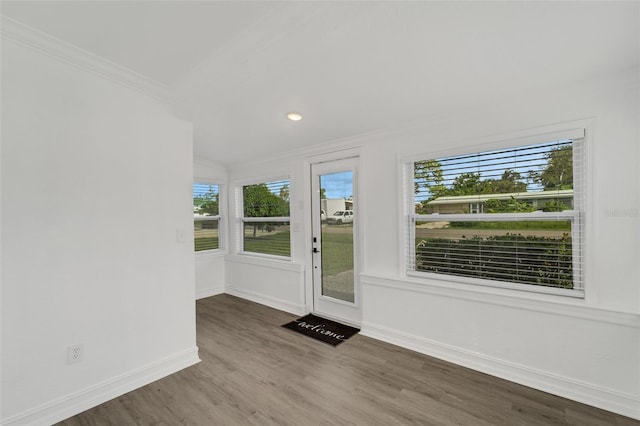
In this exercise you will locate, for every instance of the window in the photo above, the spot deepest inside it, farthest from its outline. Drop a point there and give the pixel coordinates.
(206, 216)
(509, 217)
(265, 219)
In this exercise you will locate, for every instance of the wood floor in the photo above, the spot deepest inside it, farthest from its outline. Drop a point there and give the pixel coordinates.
(254, 372)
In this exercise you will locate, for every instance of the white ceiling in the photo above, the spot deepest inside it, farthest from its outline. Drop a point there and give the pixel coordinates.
(236, 68)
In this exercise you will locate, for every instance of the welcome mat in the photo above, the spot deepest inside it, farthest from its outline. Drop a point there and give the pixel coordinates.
(322, 329)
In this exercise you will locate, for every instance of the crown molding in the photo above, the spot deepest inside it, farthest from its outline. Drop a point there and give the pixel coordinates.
(207, 162)
(29, 37)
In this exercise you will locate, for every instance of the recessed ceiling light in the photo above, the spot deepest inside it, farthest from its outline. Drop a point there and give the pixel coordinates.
(294, 116)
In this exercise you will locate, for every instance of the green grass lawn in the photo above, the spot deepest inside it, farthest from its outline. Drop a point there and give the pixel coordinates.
(337, 248)
(276, 243)
(337, 252)
(206, 243)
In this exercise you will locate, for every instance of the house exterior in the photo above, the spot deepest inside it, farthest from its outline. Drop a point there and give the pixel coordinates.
(463, 204)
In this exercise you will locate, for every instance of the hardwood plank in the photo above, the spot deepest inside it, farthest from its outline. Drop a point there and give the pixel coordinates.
(254, 372)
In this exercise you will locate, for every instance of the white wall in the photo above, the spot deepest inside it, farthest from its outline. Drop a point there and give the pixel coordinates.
(585, 349)
(96, 182)
(210, 264)
(277, 283)
(582, 349)
(274, 283)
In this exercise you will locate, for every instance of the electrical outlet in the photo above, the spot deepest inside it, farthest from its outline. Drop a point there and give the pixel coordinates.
(181, 236)
(74, 354)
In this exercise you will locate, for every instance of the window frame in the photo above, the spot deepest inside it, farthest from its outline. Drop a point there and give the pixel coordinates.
(576, 216)
(242, 220)
(219, 217)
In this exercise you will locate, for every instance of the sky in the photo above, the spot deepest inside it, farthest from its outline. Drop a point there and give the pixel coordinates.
(337, 185)
(200, 189)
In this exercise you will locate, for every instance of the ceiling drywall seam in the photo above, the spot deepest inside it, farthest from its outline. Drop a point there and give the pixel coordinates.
(284, 25)
(44, 43)
(255, 39)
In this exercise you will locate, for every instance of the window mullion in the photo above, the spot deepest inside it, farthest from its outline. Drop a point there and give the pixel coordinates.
(266, 219)
(495, 217)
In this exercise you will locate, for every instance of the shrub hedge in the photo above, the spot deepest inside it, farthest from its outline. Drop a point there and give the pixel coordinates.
(511, 258)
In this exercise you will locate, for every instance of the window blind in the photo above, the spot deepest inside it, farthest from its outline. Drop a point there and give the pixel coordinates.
(511, 215)
(206, 216)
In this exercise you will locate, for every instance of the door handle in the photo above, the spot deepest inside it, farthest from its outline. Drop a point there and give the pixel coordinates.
(315, 250)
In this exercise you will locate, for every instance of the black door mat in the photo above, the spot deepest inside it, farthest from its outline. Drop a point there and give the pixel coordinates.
(322, 329)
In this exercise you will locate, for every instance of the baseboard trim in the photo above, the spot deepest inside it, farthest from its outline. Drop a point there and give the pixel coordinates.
(272, 302)
(606, 399)
(208, 292)
(92, 396)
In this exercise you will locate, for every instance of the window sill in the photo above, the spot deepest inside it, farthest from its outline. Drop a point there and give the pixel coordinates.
(265, 261)
(458, 281)
(210, 253)
(537, 302)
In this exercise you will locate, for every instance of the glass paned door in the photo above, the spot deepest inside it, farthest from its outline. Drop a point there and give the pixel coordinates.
(335, 226)
(337, 236)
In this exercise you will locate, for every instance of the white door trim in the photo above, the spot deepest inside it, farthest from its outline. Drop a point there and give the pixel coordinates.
(344, 311)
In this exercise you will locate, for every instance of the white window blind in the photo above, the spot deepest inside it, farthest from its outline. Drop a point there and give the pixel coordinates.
(265, 223)
(511, 216)
(206, 216)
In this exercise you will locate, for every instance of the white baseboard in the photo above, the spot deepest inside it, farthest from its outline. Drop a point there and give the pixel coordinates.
(606, 399)
(208, 292)
(80, 401)
(282, 305)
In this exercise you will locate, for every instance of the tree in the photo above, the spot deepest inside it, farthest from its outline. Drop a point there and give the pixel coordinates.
(471, 183)
(554, 206)
(284, 193)
(467, 183)
(509, 182)
(259, 201)
(428, 179)
(323, 194)
(558, 171)
(507, 206)
(206, 204)
(428, 175)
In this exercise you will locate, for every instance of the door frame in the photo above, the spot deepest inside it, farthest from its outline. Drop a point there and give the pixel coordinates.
(351, 153)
